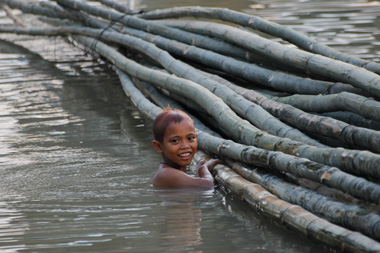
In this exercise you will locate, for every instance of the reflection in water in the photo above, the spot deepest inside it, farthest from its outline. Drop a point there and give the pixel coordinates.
(181, 223)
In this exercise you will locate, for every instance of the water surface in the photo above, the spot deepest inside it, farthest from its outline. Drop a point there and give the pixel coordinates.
(76, 160)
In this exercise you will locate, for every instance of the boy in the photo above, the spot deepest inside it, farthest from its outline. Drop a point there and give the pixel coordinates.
(176, 140)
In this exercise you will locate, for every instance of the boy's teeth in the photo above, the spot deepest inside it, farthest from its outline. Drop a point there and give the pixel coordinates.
(185, 154)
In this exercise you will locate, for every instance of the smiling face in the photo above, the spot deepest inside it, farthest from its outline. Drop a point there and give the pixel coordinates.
(179, 144)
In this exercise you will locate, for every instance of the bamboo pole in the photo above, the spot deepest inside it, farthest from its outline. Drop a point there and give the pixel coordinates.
(350, 216)
(326, 126)
(317, 64)
(189, 38)
(32, 8)
(347, 134)
(294, 216)
(329, 176)
(177, 34)
(353, 119)
(275, 79)
(255, 22)
(344, 101)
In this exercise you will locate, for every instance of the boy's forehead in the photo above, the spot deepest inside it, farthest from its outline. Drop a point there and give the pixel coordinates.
(186, 122)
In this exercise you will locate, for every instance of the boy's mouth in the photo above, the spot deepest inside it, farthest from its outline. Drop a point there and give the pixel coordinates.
(185, 154)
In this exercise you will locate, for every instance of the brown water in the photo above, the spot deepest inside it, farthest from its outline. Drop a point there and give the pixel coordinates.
(76, 161)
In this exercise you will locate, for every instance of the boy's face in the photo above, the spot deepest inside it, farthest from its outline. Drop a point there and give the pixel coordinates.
(179, 143)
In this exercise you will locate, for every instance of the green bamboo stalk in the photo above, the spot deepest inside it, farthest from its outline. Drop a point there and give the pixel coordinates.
(134, 22)
(274, 29)
(32, 8)
(344, 101)
(358, 77)
(329, 176)
(350, 216)
(317, 64)
(274, 79)
(332, 128)
(150, 26)
(353, 119)
(348, 134)
(294, 216)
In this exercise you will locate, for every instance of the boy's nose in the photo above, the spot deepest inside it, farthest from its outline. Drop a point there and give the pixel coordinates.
(185, 144)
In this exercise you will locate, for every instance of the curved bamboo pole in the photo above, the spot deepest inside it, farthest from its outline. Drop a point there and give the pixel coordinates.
(338, 70)
(350, 216)
(368, 139)
(275, 79)
(294, 216)
(321, 65)
(265, 26)
(344, 101)
(32, 8)
(329, 176)
(353, 119)
(326, 126)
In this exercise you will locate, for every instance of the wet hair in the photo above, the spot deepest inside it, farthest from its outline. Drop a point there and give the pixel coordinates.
(167, 117)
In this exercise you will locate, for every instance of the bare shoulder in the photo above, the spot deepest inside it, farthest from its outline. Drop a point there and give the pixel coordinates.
(167, 177)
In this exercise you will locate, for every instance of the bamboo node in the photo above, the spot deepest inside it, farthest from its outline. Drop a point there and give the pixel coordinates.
(326, 175)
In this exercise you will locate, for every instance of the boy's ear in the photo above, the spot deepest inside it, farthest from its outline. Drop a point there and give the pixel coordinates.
(157, 146)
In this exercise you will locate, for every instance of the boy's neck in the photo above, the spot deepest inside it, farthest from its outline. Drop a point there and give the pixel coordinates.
(171, 164)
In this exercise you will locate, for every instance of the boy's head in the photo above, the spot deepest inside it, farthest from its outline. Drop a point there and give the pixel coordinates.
(175, 138)
(167, 117)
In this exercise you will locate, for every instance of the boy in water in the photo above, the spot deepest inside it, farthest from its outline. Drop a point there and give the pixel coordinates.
(176, 140)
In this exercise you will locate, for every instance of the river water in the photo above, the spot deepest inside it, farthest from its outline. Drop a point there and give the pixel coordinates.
(76, 160)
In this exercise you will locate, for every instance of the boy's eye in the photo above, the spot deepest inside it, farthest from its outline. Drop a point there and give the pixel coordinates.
(192, 138)
(174, 141)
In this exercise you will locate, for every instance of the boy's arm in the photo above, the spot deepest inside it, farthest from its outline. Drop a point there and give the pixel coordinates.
(169, 177)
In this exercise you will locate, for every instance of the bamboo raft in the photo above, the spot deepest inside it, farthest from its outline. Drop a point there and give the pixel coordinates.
(296, 123)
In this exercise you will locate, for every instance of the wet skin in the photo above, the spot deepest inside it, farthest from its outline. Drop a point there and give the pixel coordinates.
(178, 149)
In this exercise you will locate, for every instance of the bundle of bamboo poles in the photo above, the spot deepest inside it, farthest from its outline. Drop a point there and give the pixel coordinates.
(297, 122)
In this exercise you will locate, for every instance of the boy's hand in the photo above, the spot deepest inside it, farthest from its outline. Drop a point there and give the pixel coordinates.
(210, 164)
